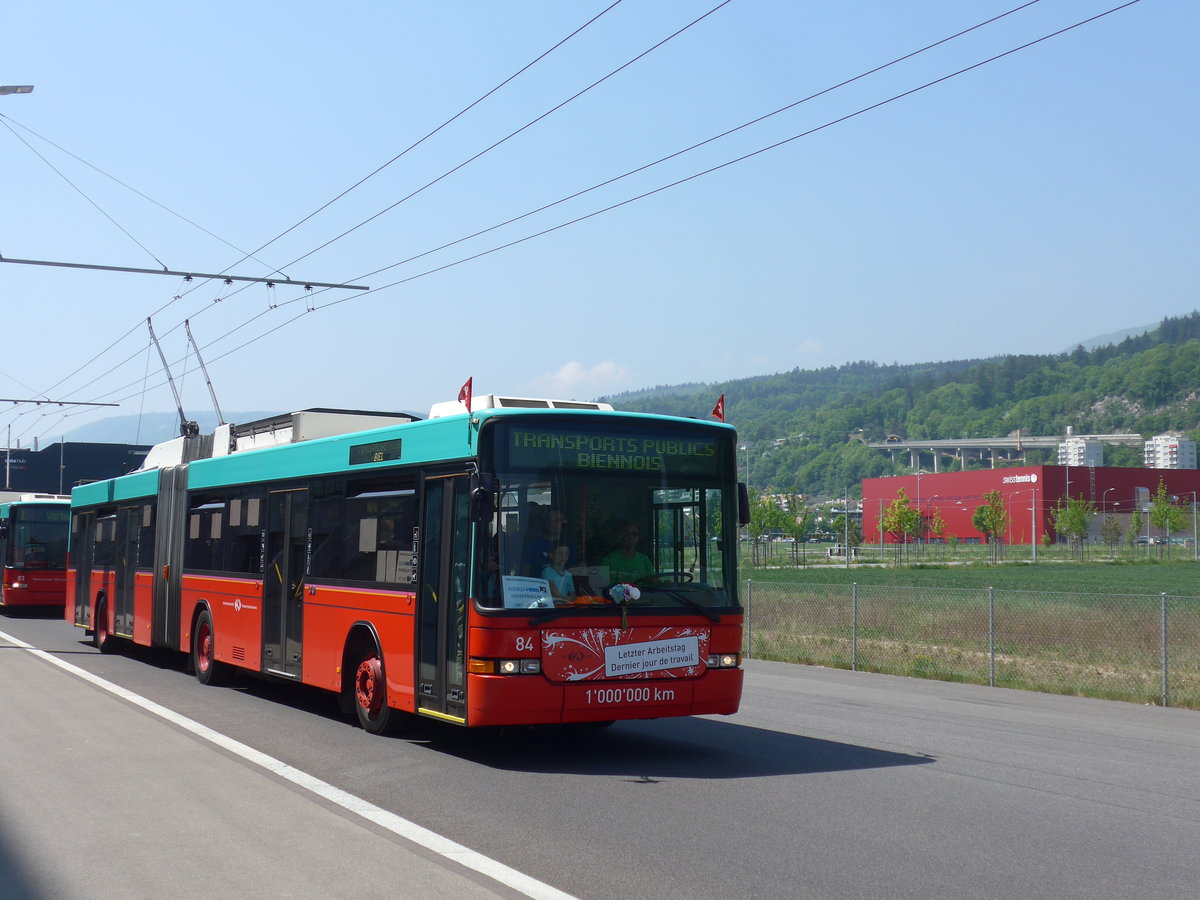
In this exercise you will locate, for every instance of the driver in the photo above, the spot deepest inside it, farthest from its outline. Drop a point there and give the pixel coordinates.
(625, 563)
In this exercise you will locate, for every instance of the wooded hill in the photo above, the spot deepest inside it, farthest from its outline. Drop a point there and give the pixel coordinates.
(806, 428)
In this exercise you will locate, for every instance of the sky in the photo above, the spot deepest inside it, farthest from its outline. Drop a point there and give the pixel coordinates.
(1020, 207)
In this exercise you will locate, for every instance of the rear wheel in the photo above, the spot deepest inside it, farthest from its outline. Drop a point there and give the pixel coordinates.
(101, 635)
(204, 660)
(370, 696)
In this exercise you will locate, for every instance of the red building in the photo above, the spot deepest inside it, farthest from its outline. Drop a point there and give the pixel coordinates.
(1030, 493)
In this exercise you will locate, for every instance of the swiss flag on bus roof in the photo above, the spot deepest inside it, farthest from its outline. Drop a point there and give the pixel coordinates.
(719, 409)
(464, 393)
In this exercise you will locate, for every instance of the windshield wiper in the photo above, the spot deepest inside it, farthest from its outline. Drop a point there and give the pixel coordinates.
(691, 604)
(558, 612)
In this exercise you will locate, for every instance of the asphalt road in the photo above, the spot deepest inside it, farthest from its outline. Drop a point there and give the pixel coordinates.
(827, 784)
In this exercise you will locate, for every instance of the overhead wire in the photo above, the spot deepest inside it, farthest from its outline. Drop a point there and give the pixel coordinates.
(549, 112)
(430, 134)
(481, 153)
(518, 131)
(774, 146)
(700, 174)
(696, 146)
(141, 194)
(252, 254)
(705, 142)
(478, 100)
(82, 194)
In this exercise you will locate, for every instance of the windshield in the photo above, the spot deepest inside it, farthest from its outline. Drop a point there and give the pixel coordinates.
(37, 537)
(586, 507)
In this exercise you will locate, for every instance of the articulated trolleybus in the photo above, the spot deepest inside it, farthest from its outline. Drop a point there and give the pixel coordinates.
(33, 550)
(528, 562)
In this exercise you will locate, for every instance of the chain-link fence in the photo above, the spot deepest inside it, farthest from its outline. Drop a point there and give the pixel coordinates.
(1141, 648)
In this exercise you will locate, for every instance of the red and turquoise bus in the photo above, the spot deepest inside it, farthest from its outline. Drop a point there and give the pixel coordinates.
(405, 567)
(33, 550)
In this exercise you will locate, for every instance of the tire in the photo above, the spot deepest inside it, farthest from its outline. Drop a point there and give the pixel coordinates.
(370, 696)
(101, 636)
(204, 660)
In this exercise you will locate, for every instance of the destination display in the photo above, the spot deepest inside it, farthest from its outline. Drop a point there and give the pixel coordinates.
(380, 451)
(45, 514)
(540, 448)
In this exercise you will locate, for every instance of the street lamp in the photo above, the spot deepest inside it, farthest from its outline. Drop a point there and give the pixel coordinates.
(925, 523)
(919, 517)
(16, 88)
(1104, 498)
(1033, 526)
(1032, 521)
(1194, 548)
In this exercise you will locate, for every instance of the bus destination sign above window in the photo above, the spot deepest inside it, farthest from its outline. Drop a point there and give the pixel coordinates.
(645, 453)
(380, 451)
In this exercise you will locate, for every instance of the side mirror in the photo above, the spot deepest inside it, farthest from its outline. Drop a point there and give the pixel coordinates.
(743, 504)
(483, 497)
(3, 531)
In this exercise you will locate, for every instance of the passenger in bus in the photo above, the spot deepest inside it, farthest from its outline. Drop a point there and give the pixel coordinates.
(545, 533)
(562, 583)
(625, 563)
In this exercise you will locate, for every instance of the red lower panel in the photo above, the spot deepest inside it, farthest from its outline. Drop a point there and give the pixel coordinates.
(532, 700)
(34, 588)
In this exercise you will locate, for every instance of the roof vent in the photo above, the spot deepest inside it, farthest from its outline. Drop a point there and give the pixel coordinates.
(495, 401)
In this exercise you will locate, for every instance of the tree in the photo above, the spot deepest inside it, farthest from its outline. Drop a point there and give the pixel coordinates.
(979, 519)
(758, 524)
(766, 518)
(997, 520)
(937, 525)
(992, 520)
(1165, 515)
(1135, 526)
(1110, 532)
(841, 528)
(900, 521)
(800, 520)
(1073, 519)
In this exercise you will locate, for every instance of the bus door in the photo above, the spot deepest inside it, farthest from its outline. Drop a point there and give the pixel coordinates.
(125, 568)
(83, 545)
(170, 517)
(679, 515)
(442, 611)
(288, 550)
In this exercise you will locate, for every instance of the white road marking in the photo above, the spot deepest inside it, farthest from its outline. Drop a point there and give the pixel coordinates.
(411, 831)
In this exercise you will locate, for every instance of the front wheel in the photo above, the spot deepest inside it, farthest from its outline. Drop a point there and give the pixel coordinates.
(370, 696)
(204, 660)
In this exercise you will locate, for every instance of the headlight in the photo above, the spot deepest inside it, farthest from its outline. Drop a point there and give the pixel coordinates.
(518, 667)
(724, 660)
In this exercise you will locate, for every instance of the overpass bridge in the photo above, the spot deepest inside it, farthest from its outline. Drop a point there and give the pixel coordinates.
(1006, 448)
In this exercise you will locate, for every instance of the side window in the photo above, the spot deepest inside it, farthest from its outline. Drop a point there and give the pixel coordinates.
(380, 522)
(244, 535)
(326, 499)
(203, 538)
(145, 525)
(363, 529)
(105, 535)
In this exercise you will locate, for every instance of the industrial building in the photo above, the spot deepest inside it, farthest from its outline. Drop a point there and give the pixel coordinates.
(1030, 493)
(56, 468)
